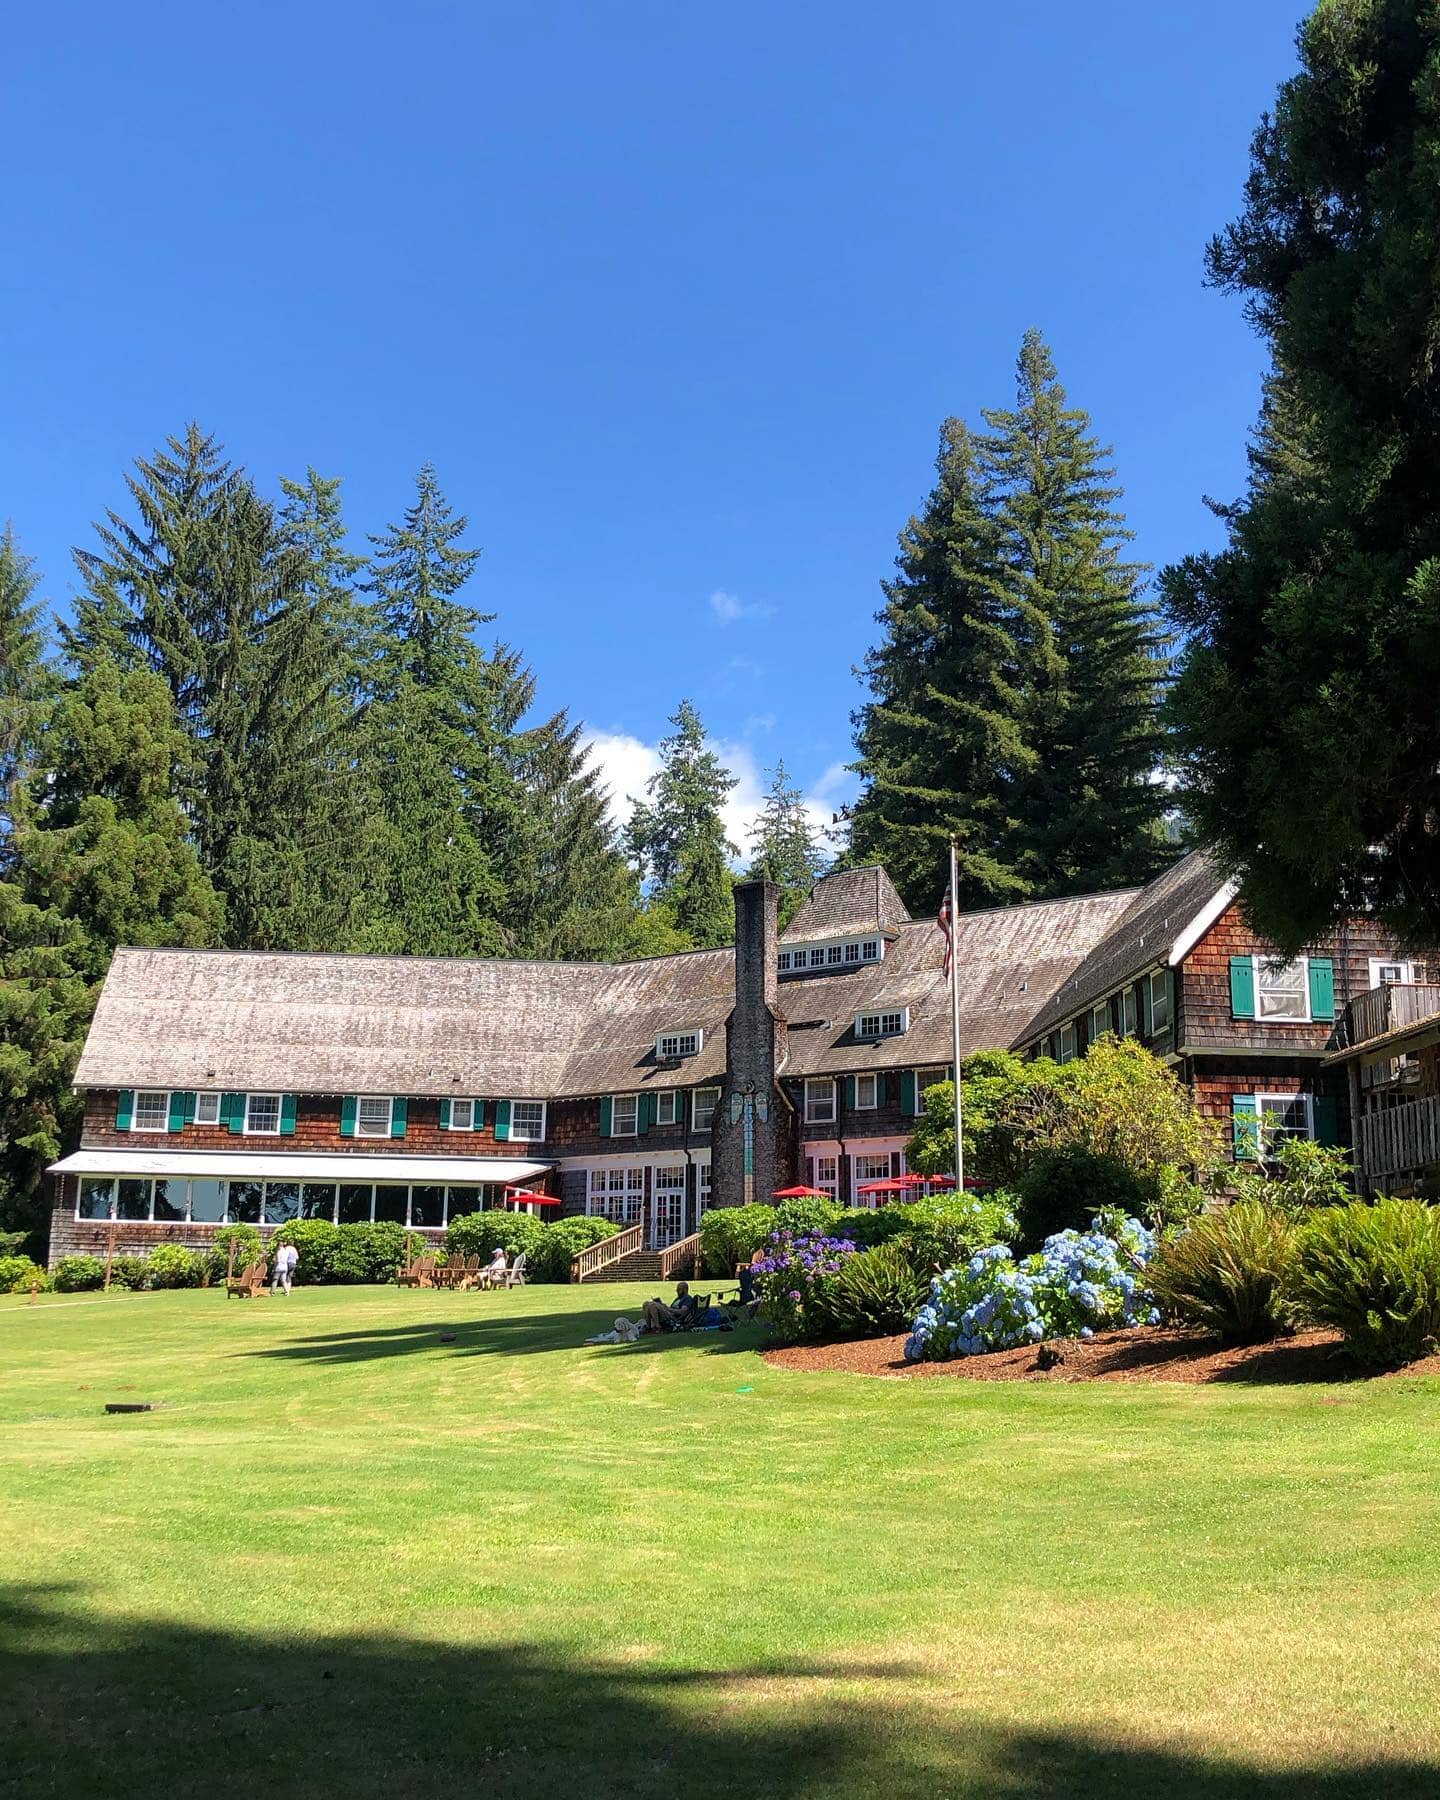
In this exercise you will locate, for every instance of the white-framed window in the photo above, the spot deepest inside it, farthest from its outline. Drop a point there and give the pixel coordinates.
(1159, 1003)
(1127, 1013)
(817, 957)
(834, 955)
(871, 949)
(1389, 971)
(1282, 1116)
(825, 1175)
(820, 1100)
(617, 1194)
(892, 1022)
(373, 1115)
(462, 1115)
(667, 1107)
(527, 1121)
(150, 1111)
(207, 1109)
(1282, 990)
(864, 1169)
(262, 1115)
(703, 1107)
(843, 953)
(1099, 1022)
(679, 1043)
(852, 951)
(866, 1093)
(925, 1079)
(1067, 1043)
(625, 1115)
(702, 1191)
(782, 961)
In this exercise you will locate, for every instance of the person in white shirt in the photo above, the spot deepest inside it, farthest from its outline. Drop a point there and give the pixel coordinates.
(496, 1268)
(286, 1258)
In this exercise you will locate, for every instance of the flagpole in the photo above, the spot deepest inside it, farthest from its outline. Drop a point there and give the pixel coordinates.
(955, 1018)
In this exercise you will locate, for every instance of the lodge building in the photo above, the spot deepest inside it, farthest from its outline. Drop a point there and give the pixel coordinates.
(228, 1086)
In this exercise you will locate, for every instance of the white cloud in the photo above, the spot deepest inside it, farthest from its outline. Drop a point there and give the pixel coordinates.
(729, 609)
(625, 764)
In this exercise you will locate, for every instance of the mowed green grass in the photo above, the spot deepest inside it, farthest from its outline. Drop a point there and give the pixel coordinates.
(349, 1558)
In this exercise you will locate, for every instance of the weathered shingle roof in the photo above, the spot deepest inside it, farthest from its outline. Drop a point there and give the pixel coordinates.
(1140, 939)
(414, 1025)
(849, 903)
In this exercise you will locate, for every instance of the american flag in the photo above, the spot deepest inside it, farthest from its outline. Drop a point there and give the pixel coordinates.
(943, 923)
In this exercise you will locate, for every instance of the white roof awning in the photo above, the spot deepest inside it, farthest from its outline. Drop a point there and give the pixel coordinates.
(278, 1165)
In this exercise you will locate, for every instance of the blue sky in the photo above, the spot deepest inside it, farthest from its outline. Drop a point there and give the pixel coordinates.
(674, 296)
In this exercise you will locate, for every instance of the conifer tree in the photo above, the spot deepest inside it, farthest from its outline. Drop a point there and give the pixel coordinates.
(25, 676)
(312, 522)
(943, 741)
(783, 845)
(1305, 708)
(676, 838)
(1086, 806)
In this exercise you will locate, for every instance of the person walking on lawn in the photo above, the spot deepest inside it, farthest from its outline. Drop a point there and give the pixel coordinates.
(286, 1258)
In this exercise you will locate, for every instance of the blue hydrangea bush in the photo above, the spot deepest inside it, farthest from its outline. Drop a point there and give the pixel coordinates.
(1078, 1283)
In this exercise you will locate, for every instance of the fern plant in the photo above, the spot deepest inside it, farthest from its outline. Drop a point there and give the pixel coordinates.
(1227, 1272)
(1373, 1272)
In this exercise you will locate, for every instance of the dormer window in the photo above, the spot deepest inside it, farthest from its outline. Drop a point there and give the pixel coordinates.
(673, 1044)
(894, 1022)
(840, 953)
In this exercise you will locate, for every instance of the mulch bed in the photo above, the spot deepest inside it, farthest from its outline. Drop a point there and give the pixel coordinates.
(1148, 1353)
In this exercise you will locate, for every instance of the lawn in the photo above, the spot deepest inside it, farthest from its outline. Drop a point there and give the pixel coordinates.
(348, 1558)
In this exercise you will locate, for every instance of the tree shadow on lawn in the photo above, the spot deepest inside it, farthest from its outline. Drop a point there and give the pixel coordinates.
(116, 1708)
(512, 1334)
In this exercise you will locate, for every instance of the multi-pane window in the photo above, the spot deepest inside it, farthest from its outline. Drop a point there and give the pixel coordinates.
(625, 1115)
(1388, 973)
(825, 1175)
(1099, 1022)
(870, 950)
(834, 954)
(679, 1043)
(1281, 990)
(1127, 1013)
(373, 1115)
(702, 1191)
(882, 1024)
(817, 957)
(207, 1109)
(462, 1115)
(852, 952)
(151, 1111)
(865, 1093)
(845, 953)
(527, 1120)
(705, 1102)
(1159, 1003)
(820, 1100)
(865, 1169)
(667, 1108)
(262, 1115)
(1066, 1044)
(617, 1194)
(1282, 1116)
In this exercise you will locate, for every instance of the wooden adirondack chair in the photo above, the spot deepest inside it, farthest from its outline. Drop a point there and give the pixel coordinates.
(249, 1284)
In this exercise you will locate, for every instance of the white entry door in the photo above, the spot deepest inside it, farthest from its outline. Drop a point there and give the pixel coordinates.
(667, 1207)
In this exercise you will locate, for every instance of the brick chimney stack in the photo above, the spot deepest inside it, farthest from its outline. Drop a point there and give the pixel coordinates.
(753, 1136)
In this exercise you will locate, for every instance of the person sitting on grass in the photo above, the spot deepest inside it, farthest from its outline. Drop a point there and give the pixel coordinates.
(660, 1317)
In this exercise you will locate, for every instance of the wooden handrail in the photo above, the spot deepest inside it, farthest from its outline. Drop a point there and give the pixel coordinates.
(682, 1257)
(609, 1250)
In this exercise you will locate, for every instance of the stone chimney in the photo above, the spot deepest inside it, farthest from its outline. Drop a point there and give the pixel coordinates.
(754, 1135)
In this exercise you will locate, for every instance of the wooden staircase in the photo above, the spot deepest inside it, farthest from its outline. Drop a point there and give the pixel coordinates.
(625, 1258)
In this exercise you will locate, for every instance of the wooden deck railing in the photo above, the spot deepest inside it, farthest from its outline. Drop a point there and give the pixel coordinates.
(1394, 1007)
(608, 1250)
(681, 1258)
(1399, 1139)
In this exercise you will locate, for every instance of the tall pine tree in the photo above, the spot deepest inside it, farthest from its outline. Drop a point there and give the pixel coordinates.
(783, 845)
(25, 675)
(676, 837)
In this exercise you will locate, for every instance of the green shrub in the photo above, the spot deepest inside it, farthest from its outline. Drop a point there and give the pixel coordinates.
(945, 1230)
(1300, 1176)
(1227, 1272)
(246, 1240)
(79, 1274)
(1374, 1272)
(366, 1253)
(730, 1235)
(318, 1242)
(874, 1294)
(130, 1272)
(868, 1226)
(173, 1266)
(18, 1275)
(562, 1239)
(16, 1243)
(477, 1234)
(1063, 1186)
(810, 1218)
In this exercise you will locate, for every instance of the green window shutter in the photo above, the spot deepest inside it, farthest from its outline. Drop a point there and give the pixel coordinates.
(1170, 1006)
(1327, 1125)
(645, 1114)
(850, 1093)
(124, 1108)
(1242, 987)
(287, 1115)
(907, 1090)
(1143, 1009)
(232, 1109)
(444, 1115)
(1322, 987)
(347, 1115)
(190, 1109)
(176, 1121)
(1245, 1124)
(399, 1107)
(479, 1106)
(605, 1115)
(502, 1121)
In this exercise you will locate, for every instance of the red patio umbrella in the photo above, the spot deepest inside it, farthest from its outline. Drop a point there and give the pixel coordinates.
(798, 1193)
(890, 1185)
(524, 1197)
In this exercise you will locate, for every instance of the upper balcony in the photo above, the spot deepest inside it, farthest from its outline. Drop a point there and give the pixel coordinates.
(1394, 1007)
